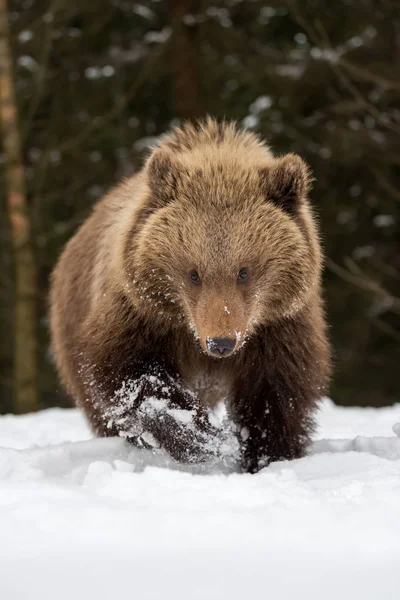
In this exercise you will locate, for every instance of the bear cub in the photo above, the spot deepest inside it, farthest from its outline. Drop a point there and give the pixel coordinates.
(196, 281)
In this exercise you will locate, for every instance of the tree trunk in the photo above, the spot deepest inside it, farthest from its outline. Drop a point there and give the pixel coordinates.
(187, 95)
(25, 333)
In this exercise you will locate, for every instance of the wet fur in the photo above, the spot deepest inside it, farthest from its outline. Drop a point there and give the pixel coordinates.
(211, 198)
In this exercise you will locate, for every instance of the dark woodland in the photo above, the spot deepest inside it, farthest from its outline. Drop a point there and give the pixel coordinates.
(86, 88)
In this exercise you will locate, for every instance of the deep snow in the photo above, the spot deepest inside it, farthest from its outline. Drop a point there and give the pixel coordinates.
(84, 518)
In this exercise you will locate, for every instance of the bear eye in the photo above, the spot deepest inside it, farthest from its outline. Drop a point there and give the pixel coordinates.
(243, 275)
(194, 276)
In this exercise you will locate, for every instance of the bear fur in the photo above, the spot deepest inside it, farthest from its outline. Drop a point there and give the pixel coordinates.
(131, 324)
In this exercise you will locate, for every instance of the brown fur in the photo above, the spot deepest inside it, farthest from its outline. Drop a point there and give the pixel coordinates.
(123, 308)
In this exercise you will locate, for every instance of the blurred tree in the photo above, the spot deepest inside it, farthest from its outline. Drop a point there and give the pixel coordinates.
(187, 97)
(25, 290)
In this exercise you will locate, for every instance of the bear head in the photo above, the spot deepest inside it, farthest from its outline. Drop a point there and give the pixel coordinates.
(227, 241)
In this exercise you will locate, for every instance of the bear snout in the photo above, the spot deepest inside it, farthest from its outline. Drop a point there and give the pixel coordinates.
(221, 346)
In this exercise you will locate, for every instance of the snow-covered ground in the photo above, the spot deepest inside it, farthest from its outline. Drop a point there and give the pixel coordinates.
(83, 518)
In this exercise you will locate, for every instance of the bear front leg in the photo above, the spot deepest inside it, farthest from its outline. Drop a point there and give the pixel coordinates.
(273, 425)
(155, 410)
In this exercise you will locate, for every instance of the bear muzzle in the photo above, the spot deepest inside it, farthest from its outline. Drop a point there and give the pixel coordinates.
(221, 346)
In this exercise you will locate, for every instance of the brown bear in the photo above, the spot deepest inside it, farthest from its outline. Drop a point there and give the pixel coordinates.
(194, 281)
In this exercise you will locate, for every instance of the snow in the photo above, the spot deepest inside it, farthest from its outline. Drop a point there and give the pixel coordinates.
(87, 518)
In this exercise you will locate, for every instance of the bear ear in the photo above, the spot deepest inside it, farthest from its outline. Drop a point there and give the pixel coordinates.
(286, 182)
(162, 177)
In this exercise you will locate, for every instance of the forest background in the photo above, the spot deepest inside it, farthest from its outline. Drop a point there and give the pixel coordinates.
(86, 87)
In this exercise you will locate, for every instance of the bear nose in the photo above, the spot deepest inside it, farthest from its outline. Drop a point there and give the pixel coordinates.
(221, 346)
